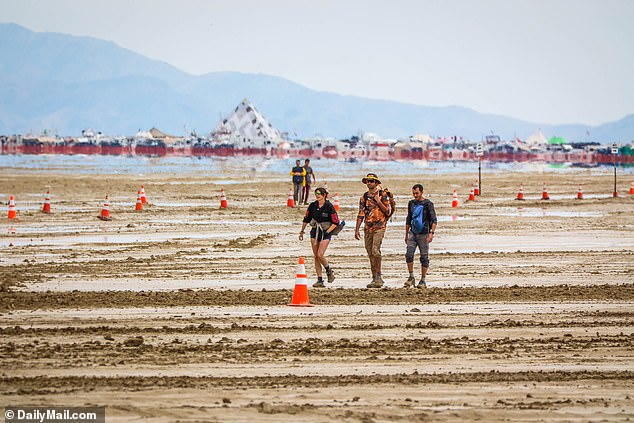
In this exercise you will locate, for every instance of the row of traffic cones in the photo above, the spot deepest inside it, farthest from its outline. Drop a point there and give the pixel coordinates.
(142, 199)
(105, 209)
(105, 212)
(475, 190)
(545, 196)
(13, 214)
(520, 194)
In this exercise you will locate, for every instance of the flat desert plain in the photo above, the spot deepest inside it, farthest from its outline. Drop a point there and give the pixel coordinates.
(179, 312)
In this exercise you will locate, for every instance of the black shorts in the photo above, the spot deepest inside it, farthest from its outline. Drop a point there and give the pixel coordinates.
(320, 235)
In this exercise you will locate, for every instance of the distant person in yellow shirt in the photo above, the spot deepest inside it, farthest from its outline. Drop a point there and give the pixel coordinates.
(308, 180)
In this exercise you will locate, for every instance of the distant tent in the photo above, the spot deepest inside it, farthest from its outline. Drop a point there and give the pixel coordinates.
(143, 134)
(370, 137)
(45, 139)
(422, 138)
(556, 141)
(156, 133)
(160, 135)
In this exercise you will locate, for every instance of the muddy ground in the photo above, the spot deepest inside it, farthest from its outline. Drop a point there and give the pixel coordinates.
(179, 312)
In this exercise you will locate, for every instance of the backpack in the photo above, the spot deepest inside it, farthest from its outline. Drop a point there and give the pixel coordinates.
(418, 221)
(390, 199)
(338, 228)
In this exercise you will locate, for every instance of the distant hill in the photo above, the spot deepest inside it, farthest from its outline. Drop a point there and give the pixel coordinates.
(66, 83)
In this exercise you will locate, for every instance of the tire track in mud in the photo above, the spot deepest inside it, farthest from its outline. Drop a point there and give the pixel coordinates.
(40, 385)
(589, 320)
(20, 300)
(144, 351)
(193, 259)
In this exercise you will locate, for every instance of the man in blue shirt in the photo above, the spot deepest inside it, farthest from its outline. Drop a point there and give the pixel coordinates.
(420, 227)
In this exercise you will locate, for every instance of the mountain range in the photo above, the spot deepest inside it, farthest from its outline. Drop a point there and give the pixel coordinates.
(63, 83)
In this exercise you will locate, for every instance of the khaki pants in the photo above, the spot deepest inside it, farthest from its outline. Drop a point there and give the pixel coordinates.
(373, 242)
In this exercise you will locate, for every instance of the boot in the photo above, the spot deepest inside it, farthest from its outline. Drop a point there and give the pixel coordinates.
(410, 282)
(319, 284)
(377, 282)
(331, 276)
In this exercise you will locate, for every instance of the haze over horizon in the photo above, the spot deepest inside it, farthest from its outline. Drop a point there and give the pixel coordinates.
(541, 61)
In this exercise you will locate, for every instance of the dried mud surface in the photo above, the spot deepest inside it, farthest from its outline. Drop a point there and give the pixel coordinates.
(178, 313)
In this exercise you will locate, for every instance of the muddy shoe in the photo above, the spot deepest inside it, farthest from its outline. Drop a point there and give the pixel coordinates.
(421, 284)
(410, 282)
(331, 276)
(319, 284)
(377, 282)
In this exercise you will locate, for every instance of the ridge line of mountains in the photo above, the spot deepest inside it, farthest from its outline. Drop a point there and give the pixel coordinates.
(64, 84)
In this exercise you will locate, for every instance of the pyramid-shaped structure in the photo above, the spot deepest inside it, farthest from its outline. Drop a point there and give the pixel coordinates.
(248, 124)
(537, 139)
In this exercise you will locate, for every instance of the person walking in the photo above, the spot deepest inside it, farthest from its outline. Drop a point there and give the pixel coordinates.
(308, 180)
(298, 173)
(420, 226)
(321, 214)
(374, 209)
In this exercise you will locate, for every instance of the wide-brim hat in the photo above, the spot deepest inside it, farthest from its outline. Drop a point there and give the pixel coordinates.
(369, 177)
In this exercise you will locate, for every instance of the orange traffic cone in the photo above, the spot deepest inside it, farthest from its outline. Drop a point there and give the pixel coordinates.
(545, 193)
(139, 204)
(291, 201)
(580, 193)
(336, 201)
(46, 208)
(12, 212)
(476, 188)
(105, 210)
(454, 202)
(300, 293)
(471, 195)
(520, 194)
(143, 197)
(632, 188)
(223, 199)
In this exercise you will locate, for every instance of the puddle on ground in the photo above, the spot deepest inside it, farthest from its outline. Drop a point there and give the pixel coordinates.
(535, 212)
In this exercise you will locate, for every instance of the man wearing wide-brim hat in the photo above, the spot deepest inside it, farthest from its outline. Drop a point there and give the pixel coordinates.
(374, 209)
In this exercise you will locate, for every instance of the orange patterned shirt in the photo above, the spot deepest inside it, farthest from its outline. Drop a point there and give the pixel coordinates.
(369, 210)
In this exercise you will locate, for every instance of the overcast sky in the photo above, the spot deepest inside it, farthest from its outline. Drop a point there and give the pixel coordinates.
(544, 61)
